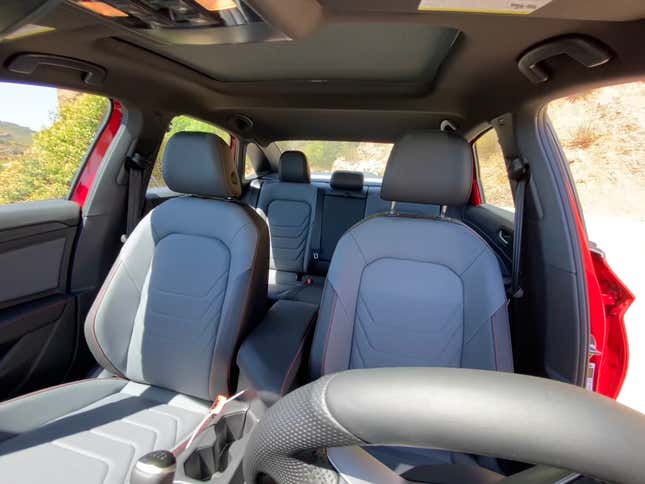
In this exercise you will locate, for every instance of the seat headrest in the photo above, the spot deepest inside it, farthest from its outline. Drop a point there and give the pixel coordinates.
(347, 180)
(433, 167)
(294, 167)
(200, 164)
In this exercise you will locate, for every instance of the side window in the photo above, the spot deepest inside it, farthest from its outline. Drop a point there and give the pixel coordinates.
(249, 170)
(45, 135)
(253, 157)
(493, 177)
(178, 124)
(602, 133)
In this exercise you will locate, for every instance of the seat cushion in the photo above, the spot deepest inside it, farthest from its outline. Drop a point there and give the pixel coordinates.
(91, 431)
(285, 285)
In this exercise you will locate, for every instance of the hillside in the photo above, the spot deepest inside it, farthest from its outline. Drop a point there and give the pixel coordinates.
(14, 139)
(602, 133)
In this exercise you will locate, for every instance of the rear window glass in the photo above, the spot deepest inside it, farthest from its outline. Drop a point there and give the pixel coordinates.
(327, 156)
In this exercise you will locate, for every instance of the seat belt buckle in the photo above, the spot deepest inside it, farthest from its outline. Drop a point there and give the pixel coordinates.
(316, 255)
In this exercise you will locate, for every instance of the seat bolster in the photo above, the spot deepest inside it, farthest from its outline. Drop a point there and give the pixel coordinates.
(99, 438)
(109, 323)
(31, 411)
(245, 302)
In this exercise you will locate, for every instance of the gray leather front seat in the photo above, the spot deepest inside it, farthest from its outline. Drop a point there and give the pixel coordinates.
(187, 285)
(410, 290)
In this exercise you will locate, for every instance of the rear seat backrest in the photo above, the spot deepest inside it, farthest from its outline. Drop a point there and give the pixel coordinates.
(343, 206)
(375, 204)
(289, 207)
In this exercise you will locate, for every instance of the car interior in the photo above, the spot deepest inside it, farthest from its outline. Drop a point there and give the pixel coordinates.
(366, 328)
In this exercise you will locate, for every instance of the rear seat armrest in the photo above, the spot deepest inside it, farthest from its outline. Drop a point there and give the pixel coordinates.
(271, 356)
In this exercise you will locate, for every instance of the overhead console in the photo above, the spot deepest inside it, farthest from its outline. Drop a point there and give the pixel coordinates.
(197, 22)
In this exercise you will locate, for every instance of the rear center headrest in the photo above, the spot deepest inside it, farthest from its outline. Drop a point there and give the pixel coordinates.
(433, 167)
(294, 167)
(347, 180)
(200, 164)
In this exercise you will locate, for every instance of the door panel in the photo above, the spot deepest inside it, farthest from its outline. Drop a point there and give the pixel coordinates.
(37, 314)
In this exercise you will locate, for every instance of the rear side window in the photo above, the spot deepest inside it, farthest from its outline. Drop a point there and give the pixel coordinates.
(327, 156)
(177, 125)
(493, 178)
(45, 135)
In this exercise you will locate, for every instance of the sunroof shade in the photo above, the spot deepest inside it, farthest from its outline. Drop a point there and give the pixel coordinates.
(339, 52)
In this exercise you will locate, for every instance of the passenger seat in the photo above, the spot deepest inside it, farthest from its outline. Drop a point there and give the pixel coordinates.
(189, 283)
(289, 207)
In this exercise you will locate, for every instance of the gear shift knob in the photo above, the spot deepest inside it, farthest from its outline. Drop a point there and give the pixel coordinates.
(156, 467)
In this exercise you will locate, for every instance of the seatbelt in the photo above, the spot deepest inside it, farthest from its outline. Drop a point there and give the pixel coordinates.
(135, 164)
(218, 405)
(518, 171)
(316, 231)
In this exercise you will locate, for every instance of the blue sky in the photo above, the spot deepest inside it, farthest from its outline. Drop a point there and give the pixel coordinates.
(26, 105)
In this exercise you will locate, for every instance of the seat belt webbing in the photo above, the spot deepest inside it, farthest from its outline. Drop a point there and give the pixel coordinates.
(518, 171)
(135, 165)
(316, 231)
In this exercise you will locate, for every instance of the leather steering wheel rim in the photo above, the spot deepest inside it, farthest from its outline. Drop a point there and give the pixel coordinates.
(504, 415)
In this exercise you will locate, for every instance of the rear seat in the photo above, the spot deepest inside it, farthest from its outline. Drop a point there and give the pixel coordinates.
(289, 207)
(375, 204)
(343, 206)
(306, 220)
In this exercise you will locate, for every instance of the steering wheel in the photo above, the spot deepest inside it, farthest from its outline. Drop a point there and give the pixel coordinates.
(504, 415)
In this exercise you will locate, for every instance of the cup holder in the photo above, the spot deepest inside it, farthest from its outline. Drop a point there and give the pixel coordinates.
(211, 455)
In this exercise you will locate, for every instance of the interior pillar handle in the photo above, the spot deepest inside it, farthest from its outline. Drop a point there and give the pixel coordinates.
(92, 74)
(584, 50)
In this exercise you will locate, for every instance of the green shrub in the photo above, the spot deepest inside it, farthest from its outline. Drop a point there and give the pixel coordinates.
(46, 169)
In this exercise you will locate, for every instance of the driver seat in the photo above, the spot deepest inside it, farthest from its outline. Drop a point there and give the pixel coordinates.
(410, 290)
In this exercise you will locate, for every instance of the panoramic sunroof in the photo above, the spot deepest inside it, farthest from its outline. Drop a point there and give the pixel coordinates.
(385, 52)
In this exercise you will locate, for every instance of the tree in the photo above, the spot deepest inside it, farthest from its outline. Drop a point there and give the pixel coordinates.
(46, 169)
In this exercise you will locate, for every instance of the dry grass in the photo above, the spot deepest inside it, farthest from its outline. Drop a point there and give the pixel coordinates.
(603, 135)
(583, 137)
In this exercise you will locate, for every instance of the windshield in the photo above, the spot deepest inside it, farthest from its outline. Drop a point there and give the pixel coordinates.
(327, 156)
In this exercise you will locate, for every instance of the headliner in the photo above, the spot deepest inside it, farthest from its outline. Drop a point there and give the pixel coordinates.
(356, 69)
